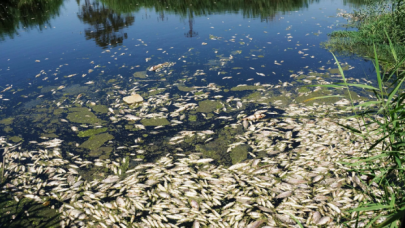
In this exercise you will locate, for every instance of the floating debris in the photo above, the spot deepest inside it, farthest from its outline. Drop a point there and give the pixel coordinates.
(134, 98)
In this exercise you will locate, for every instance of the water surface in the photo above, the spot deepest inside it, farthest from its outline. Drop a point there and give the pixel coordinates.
(64, 63)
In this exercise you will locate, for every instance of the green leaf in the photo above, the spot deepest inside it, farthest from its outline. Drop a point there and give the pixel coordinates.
(371, 208)
(357, 85)
(296, 220)
(392, 218)
(377, 70)
(391, 46)
(368, 103)
(372, 221)
(348, 127)
(323, 97)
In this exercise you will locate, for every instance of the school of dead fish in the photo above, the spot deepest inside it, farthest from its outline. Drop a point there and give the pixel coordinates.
(181, 191)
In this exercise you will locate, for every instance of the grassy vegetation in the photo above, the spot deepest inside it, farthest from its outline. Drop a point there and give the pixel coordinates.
(383, 162)
(374, 22)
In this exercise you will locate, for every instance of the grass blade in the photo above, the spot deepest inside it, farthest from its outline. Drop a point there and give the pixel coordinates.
(357, 85)
(391, 46)
(371, 208)
(296, 220)
(323, 97)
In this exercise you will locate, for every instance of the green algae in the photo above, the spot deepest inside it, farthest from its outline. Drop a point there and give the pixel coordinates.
(155, 122)
(111, 81)
(254, 96)
(50, 135)
(157, 91)
(7, 129)
(192, 117)
(15, 139)
(217, 148)
(243, 88)
(302, 76)
(75, 89)
(337, 71)
(47, 89)
(104, 152)
(236, 52)
(239, 153)
(303, 89)
(208, 106)
(7, 121)
(82, 115)
(184, 88)
(307, 98)
(129, 127)
(91, 132)
(58, 111)
(96, 141)
(284, 99)
(258, 97)
(140, 74)
(100, 108)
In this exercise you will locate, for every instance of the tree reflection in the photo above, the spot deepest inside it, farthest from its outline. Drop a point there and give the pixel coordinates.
(264, 9)
(27, 14)
(191, 33)
(106, 24)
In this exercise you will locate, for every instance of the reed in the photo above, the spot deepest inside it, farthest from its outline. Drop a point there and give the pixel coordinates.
(383, 162)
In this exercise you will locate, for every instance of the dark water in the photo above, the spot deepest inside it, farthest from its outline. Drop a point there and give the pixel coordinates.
(48, 49)
(77, 32)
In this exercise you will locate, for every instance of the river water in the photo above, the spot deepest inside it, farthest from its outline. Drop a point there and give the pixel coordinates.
(66, 65)
(202, 67)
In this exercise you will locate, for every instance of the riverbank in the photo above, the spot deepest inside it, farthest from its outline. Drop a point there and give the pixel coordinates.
(379, 24)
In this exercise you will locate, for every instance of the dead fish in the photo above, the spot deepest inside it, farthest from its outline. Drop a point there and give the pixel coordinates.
(255, 224)
(316, 217)
(245, 124)
(284, 195)
(154, 68)
(254, 117)
(324, 220)
(79, 96)
(7, 89)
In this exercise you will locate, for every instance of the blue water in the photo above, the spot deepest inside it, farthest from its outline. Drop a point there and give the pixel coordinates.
(34, 58)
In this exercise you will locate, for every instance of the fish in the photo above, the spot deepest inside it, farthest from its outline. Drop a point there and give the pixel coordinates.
(8, 88)
(255, 117)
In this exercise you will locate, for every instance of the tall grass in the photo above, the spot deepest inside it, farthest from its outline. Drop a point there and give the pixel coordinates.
(373, 23)
(383, 162)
